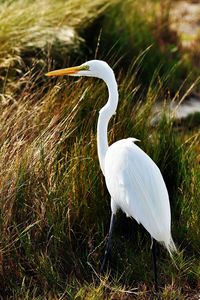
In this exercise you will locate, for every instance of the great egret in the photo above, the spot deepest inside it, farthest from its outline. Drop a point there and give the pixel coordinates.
(133, 180)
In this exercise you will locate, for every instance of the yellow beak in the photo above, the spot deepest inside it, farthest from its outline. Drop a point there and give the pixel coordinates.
(62, 72)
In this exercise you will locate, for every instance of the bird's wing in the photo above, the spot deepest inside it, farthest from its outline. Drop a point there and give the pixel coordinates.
(137, 187)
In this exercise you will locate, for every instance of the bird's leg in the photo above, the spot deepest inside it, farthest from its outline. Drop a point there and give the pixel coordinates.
(109, 244)
(154, 253)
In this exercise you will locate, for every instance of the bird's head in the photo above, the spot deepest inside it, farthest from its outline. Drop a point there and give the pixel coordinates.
(92, 68)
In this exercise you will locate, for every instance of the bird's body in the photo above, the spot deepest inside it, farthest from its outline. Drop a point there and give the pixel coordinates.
(133, 180)
(137, 187)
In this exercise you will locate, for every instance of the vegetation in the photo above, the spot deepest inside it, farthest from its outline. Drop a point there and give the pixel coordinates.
(54, 206)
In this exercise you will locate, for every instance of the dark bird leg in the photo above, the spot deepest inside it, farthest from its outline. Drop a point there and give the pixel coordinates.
(154, 253)
(109, 244)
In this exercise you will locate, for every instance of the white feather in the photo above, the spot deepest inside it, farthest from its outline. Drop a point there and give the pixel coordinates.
(137, 187)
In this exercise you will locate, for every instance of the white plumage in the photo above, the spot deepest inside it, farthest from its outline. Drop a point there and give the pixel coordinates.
(137, 187)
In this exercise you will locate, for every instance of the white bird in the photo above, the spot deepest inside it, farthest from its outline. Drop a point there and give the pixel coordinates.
(134, 181)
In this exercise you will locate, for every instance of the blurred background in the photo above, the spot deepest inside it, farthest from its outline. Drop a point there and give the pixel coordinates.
(54, 208)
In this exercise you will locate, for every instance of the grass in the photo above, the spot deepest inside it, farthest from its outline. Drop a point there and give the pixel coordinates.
(30, 30)
(54, 220)
(55, 209)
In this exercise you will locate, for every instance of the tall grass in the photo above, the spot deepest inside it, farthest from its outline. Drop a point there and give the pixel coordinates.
(54, 206)
(30, 31)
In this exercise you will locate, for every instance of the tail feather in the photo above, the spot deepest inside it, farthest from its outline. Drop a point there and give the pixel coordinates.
(171, 247)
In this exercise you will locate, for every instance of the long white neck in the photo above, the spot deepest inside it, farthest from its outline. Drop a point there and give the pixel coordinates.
(105, 115)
